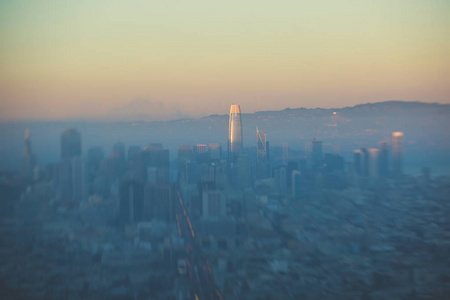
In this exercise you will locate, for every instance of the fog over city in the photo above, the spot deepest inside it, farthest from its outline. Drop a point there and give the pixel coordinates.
(291, 204)
(193, 150)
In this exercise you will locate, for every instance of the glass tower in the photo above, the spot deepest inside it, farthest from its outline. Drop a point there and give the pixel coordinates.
(397, 152)
(235, 142)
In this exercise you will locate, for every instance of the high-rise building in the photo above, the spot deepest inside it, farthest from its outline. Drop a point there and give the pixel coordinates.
(94, 159)
(200, 148)
(365, 162)
(70, 143)
(373, 164)
(201, 154)
(132, 150)
(218, 173)
(185, 159)
(95, 156)
(118, 151)
(159, 202)
(136, 168)
(317, 154)
(215, 151)
(235, 138)
(279, 173)
(361, 161)
(261, 154)
(235, 142)
(308, 147)
(185, 153)
(117, 162)
(291, 167)
(397, 153)
(213, 203)
(131, 201)
(71, 170)
(155, 156)
(358, 161)
(261, 143)
(28, 159)
(196, 207)
(71, 179)
(296, 184)
(27, 149)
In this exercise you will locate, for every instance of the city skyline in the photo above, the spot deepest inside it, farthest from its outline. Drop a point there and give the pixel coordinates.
(130, 169)
(368, 123)
(127, 218)
(106, 61)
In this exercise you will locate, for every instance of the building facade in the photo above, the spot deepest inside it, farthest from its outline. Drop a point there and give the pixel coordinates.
(235, 137)
(397, 153)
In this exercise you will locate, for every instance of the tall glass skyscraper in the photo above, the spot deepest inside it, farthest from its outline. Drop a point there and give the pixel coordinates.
(397, 152)
(235, 142)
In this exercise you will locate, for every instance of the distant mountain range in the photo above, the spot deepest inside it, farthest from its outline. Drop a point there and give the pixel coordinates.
(420, 121)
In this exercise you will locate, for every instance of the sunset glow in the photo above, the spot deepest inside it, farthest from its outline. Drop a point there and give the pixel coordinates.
(89, 59)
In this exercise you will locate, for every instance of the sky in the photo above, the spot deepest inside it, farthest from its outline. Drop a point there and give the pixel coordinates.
(117, 60)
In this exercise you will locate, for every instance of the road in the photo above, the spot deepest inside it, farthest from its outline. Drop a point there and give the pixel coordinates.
(198, 267)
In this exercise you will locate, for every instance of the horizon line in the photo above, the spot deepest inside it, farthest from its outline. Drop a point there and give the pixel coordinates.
(112, 120)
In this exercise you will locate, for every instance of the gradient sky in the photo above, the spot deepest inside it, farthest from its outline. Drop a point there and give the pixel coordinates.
(103, 59)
